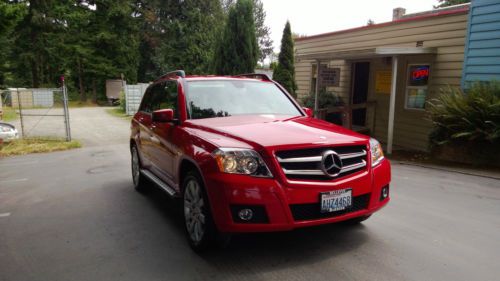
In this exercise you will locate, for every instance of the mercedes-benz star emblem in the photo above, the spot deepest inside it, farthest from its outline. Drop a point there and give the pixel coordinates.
(331, 164)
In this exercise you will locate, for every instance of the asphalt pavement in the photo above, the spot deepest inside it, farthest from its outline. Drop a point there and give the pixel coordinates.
(74, 215)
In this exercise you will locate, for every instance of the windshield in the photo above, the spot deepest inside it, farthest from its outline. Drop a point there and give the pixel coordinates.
(221, 98)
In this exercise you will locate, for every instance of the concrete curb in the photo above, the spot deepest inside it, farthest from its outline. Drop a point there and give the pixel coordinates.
(464, 171)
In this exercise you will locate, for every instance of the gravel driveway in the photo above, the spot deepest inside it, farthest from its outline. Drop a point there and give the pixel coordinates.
(93, 126)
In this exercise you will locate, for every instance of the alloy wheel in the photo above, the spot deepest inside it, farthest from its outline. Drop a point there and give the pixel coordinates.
(194, 216)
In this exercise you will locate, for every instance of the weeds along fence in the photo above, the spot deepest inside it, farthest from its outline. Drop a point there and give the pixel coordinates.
(39, 113)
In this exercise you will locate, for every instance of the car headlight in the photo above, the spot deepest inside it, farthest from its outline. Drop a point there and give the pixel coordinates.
(241, 161)
(376, 152)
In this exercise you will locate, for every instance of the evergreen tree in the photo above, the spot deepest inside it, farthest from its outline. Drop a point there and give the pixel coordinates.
(285, 70)
(10, 14)
(262, 31)
(178, 35)
(237, 51)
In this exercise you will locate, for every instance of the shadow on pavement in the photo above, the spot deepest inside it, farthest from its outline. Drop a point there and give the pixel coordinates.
(249, 254)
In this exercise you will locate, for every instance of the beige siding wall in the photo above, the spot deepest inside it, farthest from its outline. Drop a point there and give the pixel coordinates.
(446, 33)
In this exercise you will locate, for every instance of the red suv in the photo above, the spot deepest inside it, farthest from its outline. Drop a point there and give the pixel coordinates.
(245, 157)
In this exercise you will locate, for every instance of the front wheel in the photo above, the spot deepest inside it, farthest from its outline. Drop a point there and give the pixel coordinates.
(200, 228)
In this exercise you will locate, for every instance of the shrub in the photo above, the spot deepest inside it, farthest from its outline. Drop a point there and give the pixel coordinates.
(325, 100)
(473, 116)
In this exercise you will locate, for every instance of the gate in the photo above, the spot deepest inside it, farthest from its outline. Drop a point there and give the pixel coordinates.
(41, 112)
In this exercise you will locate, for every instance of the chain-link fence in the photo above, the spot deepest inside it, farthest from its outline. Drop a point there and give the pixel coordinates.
(37, 112)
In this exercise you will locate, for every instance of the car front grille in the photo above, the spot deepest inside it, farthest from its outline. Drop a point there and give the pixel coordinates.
(302, 212)
(305, 164)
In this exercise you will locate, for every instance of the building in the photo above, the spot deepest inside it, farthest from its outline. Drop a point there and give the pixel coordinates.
(386, 72)
(482, 49)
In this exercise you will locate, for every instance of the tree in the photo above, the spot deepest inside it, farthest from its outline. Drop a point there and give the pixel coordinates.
(178, 35)
(370, 22)
(285, 71)
(237, 51)
(262, 31)
(10, 14)
(446, 3)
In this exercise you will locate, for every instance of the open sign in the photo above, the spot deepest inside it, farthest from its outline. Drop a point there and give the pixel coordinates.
(419, 75)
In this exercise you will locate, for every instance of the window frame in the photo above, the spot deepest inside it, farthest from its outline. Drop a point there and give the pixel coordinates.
(408, 87)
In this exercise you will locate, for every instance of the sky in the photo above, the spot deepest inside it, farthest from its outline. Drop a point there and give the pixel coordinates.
(309, 17)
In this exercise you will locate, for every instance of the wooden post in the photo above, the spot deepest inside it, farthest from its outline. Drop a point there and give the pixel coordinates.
(316, 93)
(392, 104)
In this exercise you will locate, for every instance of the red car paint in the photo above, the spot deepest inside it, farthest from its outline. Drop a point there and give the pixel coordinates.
(165, 148)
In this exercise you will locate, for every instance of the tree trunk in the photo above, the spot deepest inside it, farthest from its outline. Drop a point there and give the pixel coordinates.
(83, 95)
(94, 91)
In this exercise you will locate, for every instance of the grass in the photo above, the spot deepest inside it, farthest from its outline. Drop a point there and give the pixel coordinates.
(78, 103)
(118, 112)
(9, 114)
(36, 145)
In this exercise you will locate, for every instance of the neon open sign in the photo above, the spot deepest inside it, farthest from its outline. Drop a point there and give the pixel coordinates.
(420, 73)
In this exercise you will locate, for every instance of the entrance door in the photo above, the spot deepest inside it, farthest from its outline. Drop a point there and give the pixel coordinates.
(361, 77)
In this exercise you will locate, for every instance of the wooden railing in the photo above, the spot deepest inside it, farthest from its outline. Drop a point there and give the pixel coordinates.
(346, 113)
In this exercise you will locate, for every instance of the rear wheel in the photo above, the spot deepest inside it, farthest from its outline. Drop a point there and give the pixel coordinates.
(200, 228)
(140, 182)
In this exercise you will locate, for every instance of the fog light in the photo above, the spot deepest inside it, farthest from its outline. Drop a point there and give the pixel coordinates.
(245, 214)
(384, 193)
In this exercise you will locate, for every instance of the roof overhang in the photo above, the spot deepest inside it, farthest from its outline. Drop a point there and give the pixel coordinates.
(368, 53)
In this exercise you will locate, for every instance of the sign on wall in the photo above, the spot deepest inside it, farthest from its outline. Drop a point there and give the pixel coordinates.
(329, 77)
(383, 82)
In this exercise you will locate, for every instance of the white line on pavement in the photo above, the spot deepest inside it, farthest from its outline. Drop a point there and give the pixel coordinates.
(4, 215)
(16, 180)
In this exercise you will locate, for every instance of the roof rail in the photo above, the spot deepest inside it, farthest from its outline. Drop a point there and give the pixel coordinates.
(179, 73)
(261, 76)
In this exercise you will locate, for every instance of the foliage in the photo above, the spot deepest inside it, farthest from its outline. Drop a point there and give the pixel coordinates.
(285, 71)
(9, 114)
(325, 100)
(446, 3)
(262, 31)
(90, 41)
(36, 145)
(237, 51)
(473, 116)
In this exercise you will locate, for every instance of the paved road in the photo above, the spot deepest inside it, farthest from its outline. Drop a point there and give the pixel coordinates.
(74, 216)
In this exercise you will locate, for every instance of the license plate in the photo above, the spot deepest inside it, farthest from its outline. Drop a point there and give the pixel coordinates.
(337, 200)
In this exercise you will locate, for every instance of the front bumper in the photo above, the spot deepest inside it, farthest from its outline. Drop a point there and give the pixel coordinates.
(283, 199)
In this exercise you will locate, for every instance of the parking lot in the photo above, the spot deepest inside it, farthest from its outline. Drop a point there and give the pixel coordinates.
(74, 215)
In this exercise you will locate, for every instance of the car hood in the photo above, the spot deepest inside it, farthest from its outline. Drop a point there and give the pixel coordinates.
(273, 131)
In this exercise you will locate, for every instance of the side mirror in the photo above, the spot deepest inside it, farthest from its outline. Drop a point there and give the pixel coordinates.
(308, 111)
(163, 116)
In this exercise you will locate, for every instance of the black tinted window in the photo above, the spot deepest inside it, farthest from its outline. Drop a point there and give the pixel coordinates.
(164, 96)
(146, 101)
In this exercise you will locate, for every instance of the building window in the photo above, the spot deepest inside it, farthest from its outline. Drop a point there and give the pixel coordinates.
(417, 86)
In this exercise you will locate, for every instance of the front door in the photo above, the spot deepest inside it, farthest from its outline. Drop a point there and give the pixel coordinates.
(361, 78)
(163, 152)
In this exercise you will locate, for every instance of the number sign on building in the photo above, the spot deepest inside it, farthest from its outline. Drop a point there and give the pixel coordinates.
(329, 77)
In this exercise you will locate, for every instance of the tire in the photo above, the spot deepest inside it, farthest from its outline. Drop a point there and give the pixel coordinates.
(356, 221)
(139, 180)
(201, 231)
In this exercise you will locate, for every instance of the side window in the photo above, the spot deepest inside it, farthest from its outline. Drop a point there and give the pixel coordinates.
(164, 96)
(146, 101)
